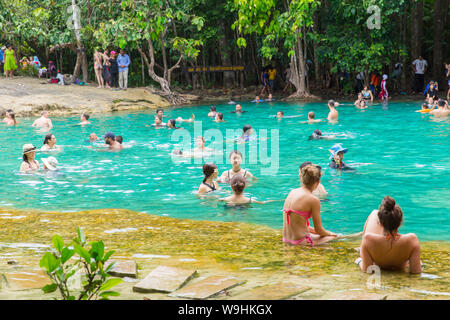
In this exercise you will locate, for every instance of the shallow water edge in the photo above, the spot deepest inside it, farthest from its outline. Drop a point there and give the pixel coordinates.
(252, 253)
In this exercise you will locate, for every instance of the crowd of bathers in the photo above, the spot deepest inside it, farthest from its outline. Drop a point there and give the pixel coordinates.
(381, 245)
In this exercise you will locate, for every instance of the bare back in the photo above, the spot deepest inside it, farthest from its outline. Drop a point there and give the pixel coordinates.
(297, 200)
(389, 254)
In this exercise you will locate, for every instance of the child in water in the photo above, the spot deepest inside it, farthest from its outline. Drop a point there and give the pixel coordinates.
(238, 184)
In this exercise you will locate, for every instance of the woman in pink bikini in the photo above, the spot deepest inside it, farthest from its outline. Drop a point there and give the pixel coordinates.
(299, 207)
(383, 246)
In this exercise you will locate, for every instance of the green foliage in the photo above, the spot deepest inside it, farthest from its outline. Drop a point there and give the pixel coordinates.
(28, 71)
(97, 282)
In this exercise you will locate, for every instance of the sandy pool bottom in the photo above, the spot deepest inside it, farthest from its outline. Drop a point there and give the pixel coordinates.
(251, 253)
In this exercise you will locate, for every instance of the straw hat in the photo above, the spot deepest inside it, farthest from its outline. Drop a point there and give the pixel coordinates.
(27, 148)
(50, 163)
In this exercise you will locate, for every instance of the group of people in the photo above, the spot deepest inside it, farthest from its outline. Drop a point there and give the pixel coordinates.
(111, 69)
(381, 245)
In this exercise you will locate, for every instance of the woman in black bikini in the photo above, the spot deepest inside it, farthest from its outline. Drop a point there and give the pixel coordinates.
(28, 163)
(208, 185)
(235, 159)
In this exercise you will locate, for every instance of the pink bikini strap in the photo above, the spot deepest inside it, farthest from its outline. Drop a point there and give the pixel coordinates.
(289, 211)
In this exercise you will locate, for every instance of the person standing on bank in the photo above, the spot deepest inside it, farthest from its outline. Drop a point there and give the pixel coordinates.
(420, 67)
(123, 60)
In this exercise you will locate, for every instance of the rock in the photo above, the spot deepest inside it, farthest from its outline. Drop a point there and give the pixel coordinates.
(207, 288)
(124, 269)
(26, 280)
(164, 279)
(277, 291)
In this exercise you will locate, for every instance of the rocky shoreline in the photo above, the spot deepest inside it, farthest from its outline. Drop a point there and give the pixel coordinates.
(250, 259)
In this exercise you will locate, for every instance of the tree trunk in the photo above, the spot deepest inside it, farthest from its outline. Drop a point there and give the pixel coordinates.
(416, 29)
(81, 53)
(299, 71)
(315, 52)
(228, 76)
(440, 15)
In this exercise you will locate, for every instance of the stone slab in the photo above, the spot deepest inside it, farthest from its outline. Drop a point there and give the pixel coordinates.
(123, 269)
(26, 280)
(164, 279)
(277, 291)
(207, 288)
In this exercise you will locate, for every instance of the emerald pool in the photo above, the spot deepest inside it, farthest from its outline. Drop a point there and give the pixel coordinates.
(396, 152)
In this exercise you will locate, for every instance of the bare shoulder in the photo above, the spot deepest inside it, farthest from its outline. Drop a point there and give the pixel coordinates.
(411, 238)
(371, 237)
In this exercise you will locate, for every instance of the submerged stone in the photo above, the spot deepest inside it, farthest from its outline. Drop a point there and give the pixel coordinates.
(124, 269)
(164, 279)
(207, 288)
(26, 280)
(277, 291)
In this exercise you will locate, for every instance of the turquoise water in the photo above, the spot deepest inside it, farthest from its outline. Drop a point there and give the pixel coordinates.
(396, 152)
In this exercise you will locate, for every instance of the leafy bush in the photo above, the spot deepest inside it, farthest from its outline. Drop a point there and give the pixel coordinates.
(28, 71)
(92, 261)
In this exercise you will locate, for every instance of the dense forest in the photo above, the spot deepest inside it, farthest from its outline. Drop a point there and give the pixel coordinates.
(328, 40)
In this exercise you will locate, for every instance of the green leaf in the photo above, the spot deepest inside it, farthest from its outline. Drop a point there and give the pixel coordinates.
(81, 236)
(107, 255)
(66, 254)
(83, 253)
(58, 243)
(49, 262)
(110, 283)
(50, 288)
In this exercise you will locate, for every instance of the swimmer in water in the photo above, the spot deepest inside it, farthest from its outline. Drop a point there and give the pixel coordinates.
(50, 143)
(231, 101)
(366, 94)
(212, 112)
(362, 104)
(246, 133)
(312, 118)
(441, 111)
(160, 113)
(383, 246)
(43, 122)
(191, 119)
(236, 160)
(257, 100)
(280, 114)
(93, 137)
(110, 140)
(317, 135)
(29, 163)
(333, 115)
(219, 117)
(119, 139)
(211, 173)
(270, 98)
(10, 118)
(238, 109)
(319, 191)
(158, 122)
(50, 164)
(337, 154)
(238, 184)
(200, 141)
(171, 124)
(302, 205)
(84, 119)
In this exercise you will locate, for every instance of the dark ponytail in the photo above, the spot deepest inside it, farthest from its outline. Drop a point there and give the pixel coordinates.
(208, 170)
(390, 215)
